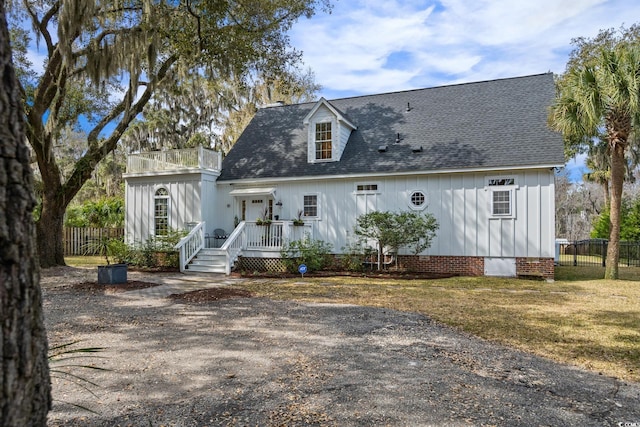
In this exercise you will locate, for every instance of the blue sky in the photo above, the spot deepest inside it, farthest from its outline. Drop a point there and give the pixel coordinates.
(375, 46)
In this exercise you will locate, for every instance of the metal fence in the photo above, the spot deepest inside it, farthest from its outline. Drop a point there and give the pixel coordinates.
(593, 252)
(79, 240)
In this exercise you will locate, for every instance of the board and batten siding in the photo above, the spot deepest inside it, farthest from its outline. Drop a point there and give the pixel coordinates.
(185, 201)
(460, 202)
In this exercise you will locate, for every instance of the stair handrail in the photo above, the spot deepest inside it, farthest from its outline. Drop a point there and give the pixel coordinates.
(233, 246)
(190, 244)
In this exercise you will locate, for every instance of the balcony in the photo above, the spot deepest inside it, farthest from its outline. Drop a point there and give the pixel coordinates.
(174, 160)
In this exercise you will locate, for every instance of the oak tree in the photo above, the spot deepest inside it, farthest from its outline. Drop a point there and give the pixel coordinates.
(25, 391)
(108, 59)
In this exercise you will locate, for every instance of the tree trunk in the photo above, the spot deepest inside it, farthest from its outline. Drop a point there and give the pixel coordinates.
(50, 229)
(617, 180)
(25, 390)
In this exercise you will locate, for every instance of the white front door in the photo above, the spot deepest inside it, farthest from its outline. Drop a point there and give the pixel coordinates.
(254, 207)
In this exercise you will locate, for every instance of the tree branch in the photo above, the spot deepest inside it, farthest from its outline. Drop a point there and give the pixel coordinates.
(100, 37)
(96, 152)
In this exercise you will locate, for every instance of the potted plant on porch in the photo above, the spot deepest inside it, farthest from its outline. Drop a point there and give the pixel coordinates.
(264, 220)
(298, 221)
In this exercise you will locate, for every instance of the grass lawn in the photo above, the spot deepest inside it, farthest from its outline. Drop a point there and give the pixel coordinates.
(84, 261)
(580, 319)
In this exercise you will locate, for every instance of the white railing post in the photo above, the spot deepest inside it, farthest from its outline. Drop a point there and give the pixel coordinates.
(286, 231)
(190, 245)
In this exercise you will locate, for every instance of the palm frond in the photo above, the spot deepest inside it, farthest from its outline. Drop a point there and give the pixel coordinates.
(59, 358)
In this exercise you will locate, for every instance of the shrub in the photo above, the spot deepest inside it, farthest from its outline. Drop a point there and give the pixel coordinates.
(157, 251)
(106, 212)
(353, 256)
(394, 230)
(315, 254)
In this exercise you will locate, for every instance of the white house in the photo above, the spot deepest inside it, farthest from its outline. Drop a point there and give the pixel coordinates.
(478, 156)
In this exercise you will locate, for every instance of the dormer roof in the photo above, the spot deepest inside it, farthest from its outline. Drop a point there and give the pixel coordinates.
(339, 115)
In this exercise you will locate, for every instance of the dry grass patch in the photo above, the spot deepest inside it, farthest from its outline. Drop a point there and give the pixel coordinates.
(84, 261)
(586, 322)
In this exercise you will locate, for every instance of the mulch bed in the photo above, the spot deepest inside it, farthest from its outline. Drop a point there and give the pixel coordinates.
(95, 287)
(200, 296)
(213, 294)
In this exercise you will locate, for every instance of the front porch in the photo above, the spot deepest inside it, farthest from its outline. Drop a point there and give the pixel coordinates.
(249, 239)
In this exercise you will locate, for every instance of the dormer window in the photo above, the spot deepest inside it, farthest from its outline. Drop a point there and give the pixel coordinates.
(328, 132)
(323, 140)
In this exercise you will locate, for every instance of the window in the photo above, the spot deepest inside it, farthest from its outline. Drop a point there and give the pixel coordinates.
(417, 198)
(323, 141)
(502, 196)
(311, 205)
(501, 181)
(366, 187)
(501, 203)
(161, 212)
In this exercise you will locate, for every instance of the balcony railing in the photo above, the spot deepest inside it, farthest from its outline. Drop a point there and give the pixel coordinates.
(187, 158)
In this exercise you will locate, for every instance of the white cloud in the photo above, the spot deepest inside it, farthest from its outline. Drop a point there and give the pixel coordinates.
(375, 46)
(490, 22)
(37, 60)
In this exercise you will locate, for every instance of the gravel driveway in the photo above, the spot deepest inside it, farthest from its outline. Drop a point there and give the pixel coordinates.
(256, 362)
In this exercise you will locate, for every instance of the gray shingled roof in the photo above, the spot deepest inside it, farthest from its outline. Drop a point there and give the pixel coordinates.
(492, 124)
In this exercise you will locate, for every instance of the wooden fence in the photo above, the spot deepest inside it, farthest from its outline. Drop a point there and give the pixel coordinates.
(81, 240)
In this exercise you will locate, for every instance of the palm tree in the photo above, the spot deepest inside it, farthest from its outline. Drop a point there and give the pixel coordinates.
(598, 162)
(602, 94)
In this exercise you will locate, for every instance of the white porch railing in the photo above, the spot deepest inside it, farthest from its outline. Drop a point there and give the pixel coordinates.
(246, 236)
(154, 161)
(232, 247)
(190, 244)
(271, 237)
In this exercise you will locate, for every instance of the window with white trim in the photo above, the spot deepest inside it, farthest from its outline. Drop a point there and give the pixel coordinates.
(161, 212)
(501, 202)
(310, 207)
(502, 196)
(323, 141)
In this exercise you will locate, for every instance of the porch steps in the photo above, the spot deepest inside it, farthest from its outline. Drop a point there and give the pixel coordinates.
(208, 260)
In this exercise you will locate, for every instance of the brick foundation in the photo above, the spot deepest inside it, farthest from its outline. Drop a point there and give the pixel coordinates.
(458, 265)
(474, 266)
(535, 267)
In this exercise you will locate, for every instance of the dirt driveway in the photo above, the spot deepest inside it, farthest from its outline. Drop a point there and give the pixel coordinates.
(245, 361)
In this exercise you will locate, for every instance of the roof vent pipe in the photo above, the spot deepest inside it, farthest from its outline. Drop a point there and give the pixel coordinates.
(398, 138)
(408, 107)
